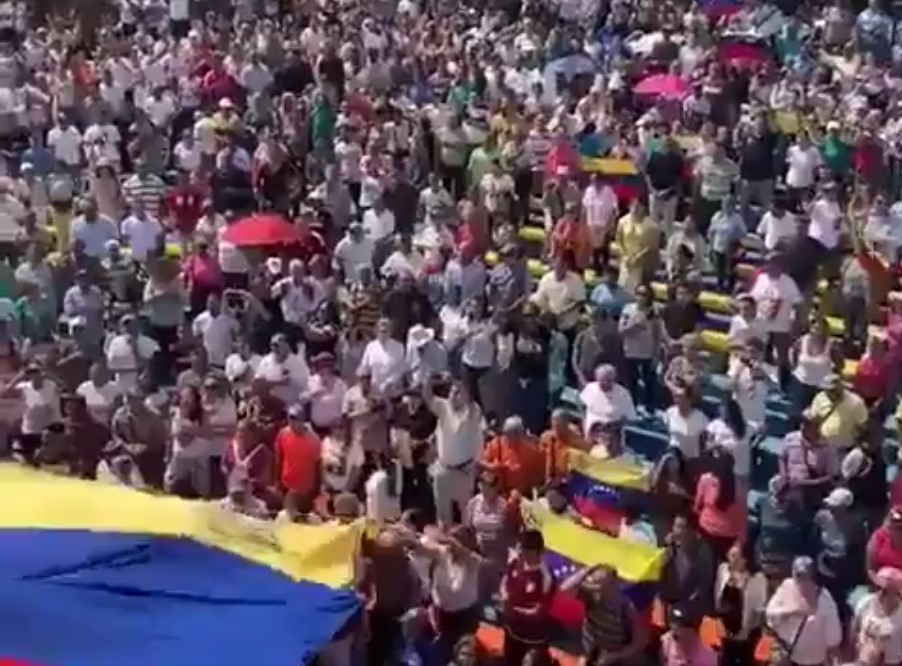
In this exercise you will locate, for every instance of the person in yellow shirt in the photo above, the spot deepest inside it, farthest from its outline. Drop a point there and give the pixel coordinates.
(638, 241)
(841, 413)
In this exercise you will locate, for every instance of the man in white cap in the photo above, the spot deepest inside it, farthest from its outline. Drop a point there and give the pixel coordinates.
(426, 356)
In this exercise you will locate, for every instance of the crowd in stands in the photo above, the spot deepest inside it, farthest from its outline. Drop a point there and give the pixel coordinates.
(412, 261)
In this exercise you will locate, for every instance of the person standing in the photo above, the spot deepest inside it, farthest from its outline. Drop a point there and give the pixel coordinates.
(458, 443)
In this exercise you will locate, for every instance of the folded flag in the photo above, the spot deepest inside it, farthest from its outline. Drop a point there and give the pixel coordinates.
(622, 175)
(598, 489)
(125, 577)
(569, 546)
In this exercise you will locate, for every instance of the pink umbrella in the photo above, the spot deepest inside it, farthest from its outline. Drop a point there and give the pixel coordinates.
(669, 86)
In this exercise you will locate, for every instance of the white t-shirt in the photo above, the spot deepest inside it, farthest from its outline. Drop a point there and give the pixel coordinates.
(742, 330)
(555, 295)
(458, 434)
(349, 154)
(824, 223)
(187, 158)
(178, 10)
(378, 225)
(352, 255)
(66, 145)
(293, 368)
(775, 230)
(231, 259)
(120, 357)
(383, 499)
(386, 362)
(298, 300)
(326, 404)
(100, 399)
(885, 630)
(141, 235)
(822, 631)
(606, 407)
(721, 436)
(42, 406)
(749, 391)
(102, 141)
(802, 166)
(600, 204)
(685, 431)
(222, 417)
(217, 333)
(777, 298)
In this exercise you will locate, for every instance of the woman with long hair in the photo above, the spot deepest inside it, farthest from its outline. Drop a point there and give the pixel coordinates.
(670, 488)
(721, 512)
(185, 468)
(730, 434)
(740, 597)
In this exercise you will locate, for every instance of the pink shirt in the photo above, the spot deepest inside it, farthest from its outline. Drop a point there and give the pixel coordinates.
(675, 654)
(713, 520)
(203, 272)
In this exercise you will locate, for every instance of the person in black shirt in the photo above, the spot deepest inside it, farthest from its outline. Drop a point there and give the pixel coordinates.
(330, 69)
(682, 315)
(530, 364)
(757, 167)
(664, 174)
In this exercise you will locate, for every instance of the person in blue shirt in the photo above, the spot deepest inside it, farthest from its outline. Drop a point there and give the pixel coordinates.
(39, 156)
(609, 294)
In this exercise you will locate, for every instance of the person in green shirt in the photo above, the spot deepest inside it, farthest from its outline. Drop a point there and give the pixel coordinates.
(323, 127)
(481, 160)
(837, 153)
(36, 320)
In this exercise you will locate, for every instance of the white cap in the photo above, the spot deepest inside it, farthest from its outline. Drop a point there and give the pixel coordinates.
(839, 497)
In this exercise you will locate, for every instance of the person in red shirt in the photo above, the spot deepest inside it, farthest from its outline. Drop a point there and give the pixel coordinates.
(185, 203)
(885, 546)
(203, 276)
(872, 376)
(218, 85)
(298, 457)
(310, 241)
(527, 591)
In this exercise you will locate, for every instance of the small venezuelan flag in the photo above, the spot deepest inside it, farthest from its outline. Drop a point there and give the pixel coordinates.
(622, 175)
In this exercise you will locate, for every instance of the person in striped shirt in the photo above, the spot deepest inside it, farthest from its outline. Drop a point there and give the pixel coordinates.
(147, 188)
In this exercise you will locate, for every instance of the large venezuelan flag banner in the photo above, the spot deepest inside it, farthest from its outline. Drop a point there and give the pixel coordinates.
(570, 546)
(598, 489)
(98, 575)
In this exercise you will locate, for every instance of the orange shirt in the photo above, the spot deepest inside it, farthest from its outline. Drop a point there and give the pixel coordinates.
(519, 463)
(572, 235)
(299, 457)
(554, 451)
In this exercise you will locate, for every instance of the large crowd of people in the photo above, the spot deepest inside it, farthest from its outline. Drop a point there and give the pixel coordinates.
(396, 259)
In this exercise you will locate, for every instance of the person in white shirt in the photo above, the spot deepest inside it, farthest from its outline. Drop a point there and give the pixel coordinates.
(406, 262)
(141, 232)
(777, 297)
(605, 400)
(802, 160)
(299, 296)
(686, 425)
(878, 617)
(459, 442)
(41, 397)
(561, 292)
(217, 330)
(129, 352)
(750, 383)
(353, 251)
(65, 141)
(729, 432)
(745, 324)
(803, 615)
(379, 222)
(101, 394)
(385, 359)
(286, 372)
(325, 394)
(93, 229)
(187, 153)
(601, 207)
(101, 142)
(778, 227)
(220, 421)
(826, 219)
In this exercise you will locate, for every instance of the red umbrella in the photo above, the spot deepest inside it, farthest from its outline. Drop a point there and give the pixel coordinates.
(669, 86)
(741, 54)
(262, 229)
